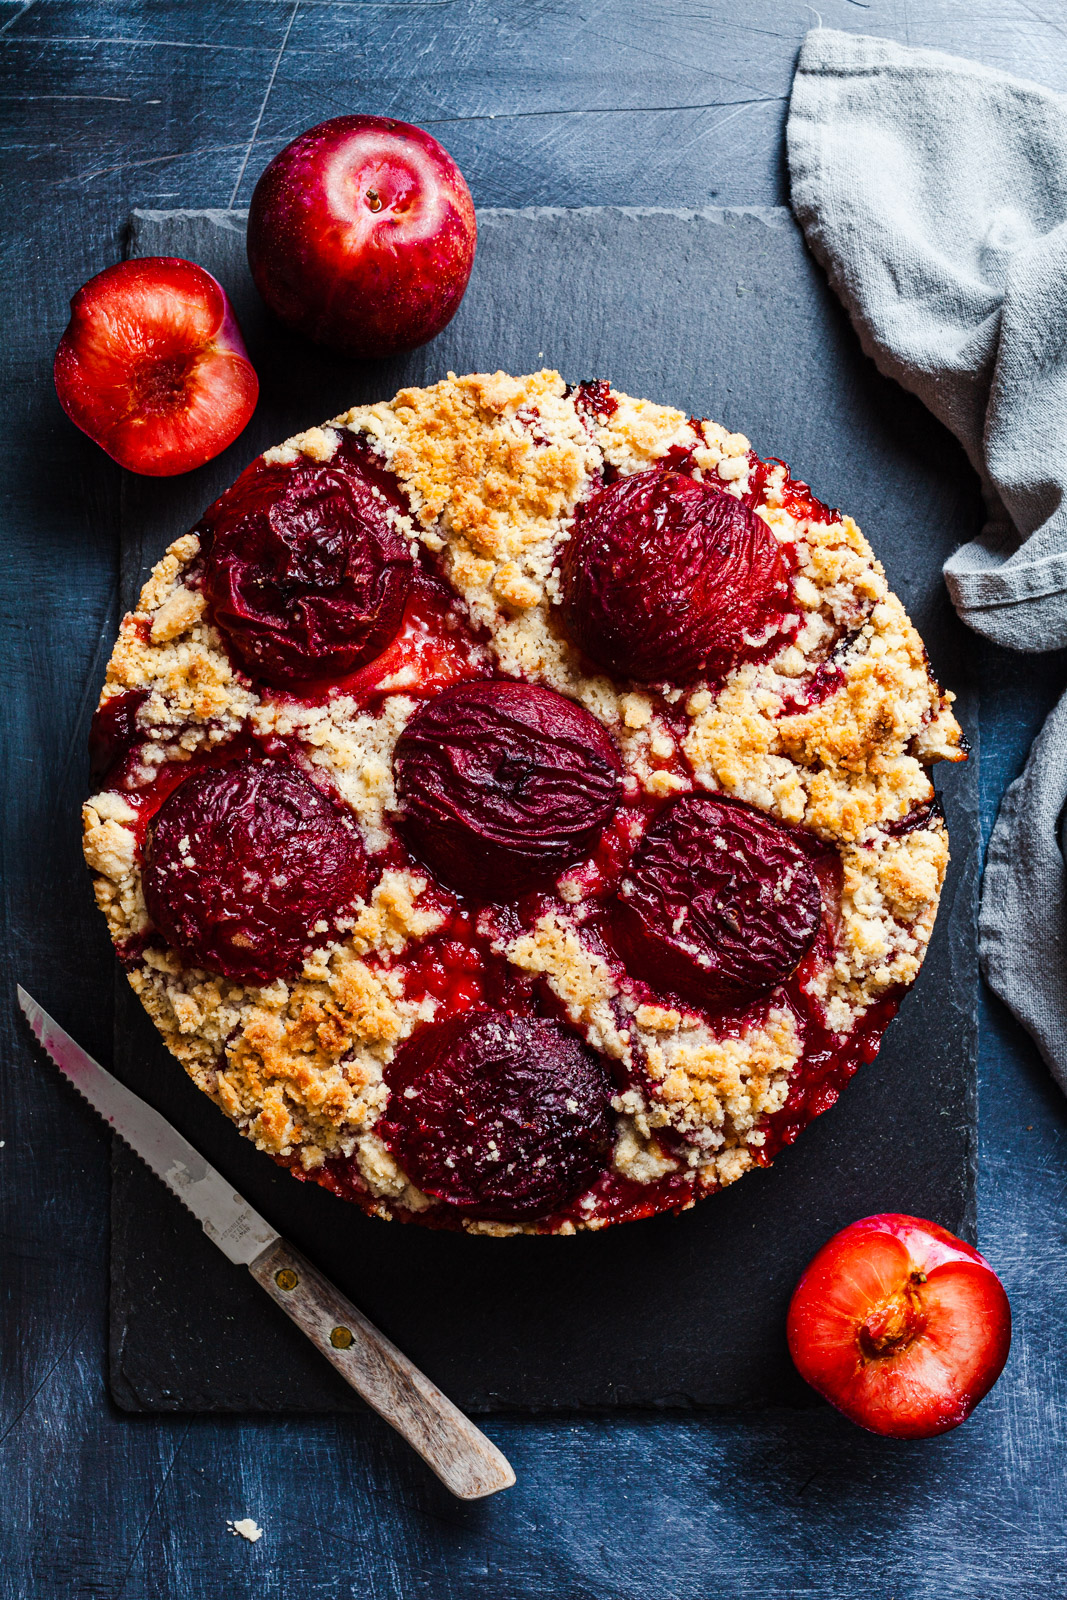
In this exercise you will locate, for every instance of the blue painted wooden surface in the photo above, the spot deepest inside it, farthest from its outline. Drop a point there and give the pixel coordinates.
(105, 106)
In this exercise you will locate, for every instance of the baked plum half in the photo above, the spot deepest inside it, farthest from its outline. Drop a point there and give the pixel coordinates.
(241, 864)
(305, 574)
(666, 579)
(500, 1117)
(718, 904)
(502, 785)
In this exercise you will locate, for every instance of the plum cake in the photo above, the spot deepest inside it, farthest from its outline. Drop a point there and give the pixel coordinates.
(511, 804)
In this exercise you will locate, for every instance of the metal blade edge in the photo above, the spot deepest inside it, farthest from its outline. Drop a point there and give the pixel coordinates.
(228, 1220)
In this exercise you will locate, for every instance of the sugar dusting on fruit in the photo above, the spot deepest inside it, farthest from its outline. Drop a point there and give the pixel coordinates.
(719, 902)
(247, 863)
(499, 1116)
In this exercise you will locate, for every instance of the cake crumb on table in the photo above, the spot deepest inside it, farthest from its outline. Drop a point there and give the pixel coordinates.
(246, 1527)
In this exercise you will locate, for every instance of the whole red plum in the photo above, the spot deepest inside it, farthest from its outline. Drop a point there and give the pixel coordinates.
(361, 235)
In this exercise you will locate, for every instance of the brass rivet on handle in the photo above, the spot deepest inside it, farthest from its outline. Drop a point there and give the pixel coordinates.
(286, 1278)
(341, 1338)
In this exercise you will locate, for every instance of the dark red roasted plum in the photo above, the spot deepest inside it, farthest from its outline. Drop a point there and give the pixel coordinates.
(305, 574)
(665, 579)
(243, 861)
(510, 1117)
(502, 785)
(719, 903)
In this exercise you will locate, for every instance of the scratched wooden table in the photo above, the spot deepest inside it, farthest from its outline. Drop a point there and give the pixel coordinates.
(110, 106)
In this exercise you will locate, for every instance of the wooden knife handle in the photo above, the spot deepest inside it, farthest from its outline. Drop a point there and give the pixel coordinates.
(463, 1458)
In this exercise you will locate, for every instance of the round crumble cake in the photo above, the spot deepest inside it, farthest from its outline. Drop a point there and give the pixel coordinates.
(511, 805)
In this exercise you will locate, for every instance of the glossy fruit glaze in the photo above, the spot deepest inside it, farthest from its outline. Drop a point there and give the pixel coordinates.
(433, 655)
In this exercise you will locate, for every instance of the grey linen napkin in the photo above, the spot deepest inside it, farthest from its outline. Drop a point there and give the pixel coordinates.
(934, 192)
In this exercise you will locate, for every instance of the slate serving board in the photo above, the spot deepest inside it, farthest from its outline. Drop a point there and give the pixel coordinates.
(724, 314)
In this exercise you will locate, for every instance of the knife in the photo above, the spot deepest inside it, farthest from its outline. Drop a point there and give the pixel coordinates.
(468, 1463)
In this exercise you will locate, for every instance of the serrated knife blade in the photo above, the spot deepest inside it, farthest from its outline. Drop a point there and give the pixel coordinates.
(239, 1232)
(467, 1463)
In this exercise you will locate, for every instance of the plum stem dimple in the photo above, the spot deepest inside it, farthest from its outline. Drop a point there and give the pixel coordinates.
(893, 1326)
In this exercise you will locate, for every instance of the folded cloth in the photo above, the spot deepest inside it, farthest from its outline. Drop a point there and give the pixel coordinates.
(1023, 925)
(934, 192)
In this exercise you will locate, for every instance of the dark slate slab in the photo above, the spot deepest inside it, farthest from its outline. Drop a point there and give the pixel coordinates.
(724, 314)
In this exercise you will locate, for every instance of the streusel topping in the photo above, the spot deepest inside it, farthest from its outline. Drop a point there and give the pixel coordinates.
(826, 728)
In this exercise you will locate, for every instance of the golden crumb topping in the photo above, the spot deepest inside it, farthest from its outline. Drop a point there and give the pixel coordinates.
(834, 734)
(493, 467)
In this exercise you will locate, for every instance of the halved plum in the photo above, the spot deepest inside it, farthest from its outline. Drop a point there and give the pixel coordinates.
(502, 785)
(718, 904)
(901, 1325)
(668, 580)
(152, 366)
(247, 865)
(500, 1117)
(305, 572)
